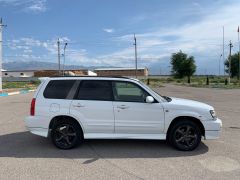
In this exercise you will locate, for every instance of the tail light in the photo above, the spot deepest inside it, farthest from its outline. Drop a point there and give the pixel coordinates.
(32, 109)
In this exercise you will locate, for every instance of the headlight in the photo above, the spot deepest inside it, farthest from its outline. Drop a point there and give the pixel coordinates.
(213, 114)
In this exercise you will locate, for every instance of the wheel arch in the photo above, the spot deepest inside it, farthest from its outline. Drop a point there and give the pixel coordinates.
(63, 117)
(190, 118)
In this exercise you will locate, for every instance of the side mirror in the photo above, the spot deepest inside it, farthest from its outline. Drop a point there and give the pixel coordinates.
(149, 99)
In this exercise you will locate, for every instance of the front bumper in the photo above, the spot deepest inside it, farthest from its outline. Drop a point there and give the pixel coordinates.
(212, 128)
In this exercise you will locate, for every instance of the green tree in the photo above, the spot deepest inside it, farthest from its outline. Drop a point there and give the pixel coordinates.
(234, 65)
(182, 65)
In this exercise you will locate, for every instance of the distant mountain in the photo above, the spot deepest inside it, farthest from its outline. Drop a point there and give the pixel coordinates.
(38, 65)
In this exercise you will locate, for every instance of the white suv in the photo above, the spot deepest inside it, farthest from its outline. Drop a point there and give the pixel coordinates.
(71, 109)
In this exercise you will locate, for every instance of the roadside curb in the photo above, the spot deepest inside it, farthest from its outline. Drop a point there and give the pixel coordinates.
(16, 92)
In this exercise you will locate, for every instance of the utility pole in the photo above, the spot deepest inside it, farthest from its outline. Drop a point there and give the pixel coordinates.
(1, 52)
(229, 68)
(58, 44)
(223, 54)
(64, 54)
(238, 55)
(219, 68)
(135, 44)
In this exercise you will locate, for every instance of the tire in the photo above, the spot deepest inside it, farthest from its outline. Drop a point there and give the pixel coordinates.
(185, 135)
(66, 134)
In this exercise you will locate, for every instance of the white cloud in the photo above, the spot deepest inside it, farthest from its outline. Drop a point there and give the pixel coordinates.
(108, 30)
(36, 6)
(45, 45)
(30, 42)
(202, 38)
(196, 4)
(30, 47)
(64, 39)
(27, 51)
(26, 44)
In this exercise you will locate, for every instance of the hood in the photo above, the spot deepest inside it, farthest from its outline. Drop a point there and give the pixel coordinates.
(190, 103)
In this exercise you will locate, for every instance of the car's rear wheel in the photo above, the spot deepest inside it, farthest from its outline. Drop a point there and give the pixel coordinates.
(185, 135)
(66, 134)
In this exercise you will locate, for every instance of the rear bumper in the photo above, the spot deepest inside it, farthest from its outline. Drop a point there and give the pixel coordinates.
(212, 129)
(35, 126)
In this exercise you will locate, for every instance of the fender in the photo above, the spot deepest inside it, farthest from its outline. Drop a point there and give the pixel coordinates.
(71, 116)
(169, 117)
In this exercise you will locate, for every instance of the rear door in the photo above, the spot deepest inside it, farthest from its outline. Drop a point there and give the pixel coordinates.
(54, 99)
(93, 106)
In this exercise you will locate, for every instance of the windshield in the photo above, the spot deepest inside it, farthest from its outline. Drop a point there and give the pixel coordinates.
(155, 92)
(151, 90)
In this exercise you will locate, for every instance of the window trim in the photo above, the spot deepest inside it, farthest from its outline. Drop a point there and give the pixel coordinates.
(79, 86)
(112, 92)
(73, 90)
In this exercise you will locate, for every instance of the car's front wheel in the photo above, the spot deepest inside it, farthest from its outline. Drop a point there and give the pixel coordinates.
(66, 134)
(185, 135)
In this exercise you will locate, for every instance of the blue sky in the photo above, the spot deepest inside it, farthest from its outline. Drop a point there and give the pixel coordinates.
(100, 33)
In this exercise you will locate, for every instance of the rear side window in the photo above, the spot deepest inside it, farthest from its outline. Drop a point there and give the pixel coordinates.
(95, 90)
(58, 89)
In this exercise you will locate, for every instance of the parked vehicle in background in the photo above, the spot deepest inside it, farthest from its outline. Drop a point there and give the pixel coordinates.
(71, 109)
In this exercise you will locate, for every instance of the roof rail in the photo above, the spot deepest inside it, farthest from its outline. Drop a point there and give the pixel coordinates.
(92, 77)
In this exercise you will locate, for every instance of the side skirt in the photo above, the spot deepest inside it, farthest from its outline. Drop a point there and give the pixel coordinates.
(124, 136)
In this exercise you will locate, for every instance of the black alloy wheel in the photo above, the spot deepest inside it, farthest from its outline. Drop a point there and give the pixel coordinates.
(66, 135)
(185, 135)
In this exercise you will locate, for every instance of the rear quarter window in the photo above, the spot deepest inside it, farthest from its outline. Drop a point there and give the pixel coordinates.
(58, 89)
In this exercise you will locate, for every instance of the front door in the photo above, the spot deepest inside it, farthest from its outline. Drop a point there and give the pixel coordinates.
(132, 114)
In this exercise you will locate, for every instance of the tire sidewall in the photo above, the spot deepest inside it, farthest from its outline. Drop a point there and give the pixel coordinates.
(77, 140)
(181, 123)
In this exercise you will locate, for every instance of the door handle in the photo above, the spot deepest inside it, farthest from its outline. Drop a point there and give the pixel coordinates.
(78, 105)
(123, 107)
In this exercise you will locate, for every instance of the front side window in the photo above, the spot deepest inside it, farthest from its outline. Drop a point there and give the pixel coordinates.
(58, 89)
(128, 92)
(95, 90)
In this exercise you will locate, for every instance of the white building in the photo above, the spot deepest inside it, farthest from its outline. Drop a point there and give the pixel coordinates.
(24, 73)
(45, 73)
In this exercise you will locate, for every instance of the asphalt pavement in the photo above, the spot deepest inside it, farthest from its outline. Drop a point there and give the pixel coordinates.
(26, 156)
